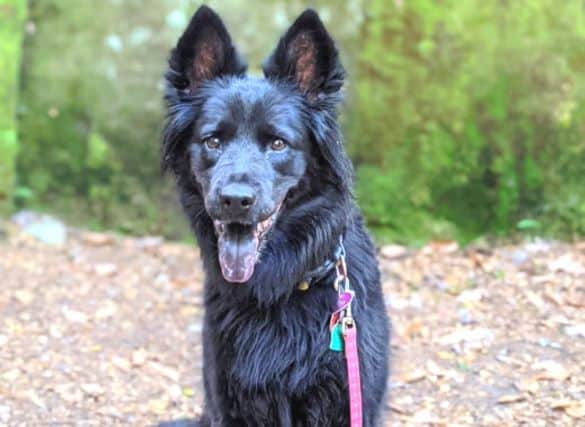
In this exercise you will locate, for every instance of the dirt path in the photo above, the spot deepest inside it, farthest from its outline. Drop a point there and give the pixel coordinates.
(106, 331)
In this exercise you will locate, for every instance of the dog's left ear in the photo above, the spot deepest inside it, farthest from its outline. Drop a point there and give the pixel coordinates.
(307, 55)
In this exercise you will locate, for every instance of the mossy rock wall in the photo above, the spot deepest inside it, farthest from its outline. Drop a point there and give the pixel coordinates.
(12, 15)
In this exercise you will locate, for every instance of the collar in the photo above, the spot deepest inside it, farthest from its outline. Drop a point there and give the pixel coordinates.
(323, 270)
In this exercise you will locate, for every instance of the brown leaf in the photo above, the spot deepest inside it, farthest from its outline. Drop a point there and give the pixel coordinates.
(105, 269)
(529, 385)
(576, 296)
(97, 239)
(11, 375)
(573, 408)
(577, 411)
(74, 316)
(158, 406)
(551, 370)
(167, 371)
(399, 410)
(121, 363)
(108, 310)
(511, 398)
(24, 296)
(415, 375)
(92, 389)
(139, 357)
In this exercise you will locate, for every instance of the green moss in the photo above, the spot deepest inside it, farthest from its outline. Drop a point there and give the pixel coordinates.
(468, 117)
(12, 15)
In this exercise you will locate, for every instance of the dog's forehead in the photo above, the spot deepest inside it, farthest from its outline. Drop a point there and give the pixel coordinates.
(252, 101)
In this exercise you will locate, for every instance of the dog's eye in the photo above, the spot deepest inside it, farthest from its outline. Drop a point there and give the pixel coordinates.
(278, 144)
(212, 142)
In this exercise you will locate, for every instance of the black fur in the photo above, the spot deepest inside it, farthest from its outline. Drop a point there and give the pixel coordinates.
(266, 355)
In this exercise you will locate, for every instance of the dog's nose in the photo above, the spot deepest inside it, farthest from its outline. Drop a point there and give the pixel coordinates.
(236, 199)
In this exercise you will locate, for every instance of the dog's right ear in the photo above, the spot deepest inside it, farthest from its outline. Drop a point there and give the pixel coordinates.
(203, 52)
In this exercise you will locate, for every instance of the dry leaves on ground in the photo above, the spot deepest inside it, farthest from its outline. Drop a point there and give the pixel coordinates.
(105, 330)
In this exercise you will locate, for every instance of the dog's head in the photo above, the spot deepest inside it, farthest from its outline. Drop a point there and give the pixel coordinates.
(252, 148)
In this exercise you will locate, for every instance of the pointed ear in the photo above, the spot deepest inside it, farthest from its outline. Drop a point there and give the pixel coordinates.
(307, 55)
(203, 52)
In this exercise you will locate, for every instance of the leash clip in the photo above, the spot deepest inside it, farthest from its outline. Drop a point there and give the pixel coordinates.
(341, 270)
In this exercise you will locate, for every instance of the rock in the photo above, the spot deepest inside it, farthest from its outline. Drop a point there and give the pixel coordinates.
(575, 330)
(464, 316)
(149, 242)
(519, 257)
(44, 228)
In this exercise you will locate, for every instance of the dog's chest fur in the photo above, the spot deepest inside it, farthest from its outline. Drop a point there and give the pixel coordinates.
(285, 344)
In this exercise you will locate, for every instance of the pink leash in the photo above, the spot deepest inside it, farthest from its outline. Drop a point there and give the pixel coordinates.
(353, 376)
(344, 337)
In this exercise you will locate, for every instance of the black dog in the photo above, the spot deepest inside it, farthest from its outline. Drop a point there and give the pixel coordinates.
(266, 185)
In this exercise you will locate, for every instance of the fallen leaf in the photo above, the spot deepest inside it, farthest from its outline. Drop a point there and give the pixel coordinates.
(399, 410)
(393, 251)
(415, 375)
(511, 398)
(34, 398)
(121, 363)
(108, 310)
(551, 370)
(11, 375)
(413, 329)
(434, 369)
(535, 299)
(445, 355)
(474, 337)
(24, 296)
(563, 403)
(568, 263)
(92, 389)
(577, 411)
(97, 239)
(529, 385)
(139, 357)
(167, 371)
(576, 296)
(442, 247)
(158, 406)
(188, 392)
(105, 269)
(573, 408)
(74, 316)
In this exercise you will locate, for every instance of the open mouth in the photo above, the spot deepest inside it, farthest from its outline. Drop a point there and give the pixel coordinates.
(239, 246)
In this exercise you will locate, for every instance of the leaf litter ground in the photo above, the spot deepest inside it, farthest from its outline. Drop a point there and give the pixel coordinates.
(105, 331)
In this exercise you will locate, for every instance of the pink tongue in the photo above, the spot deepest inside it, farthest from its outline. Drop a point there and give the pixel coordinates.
(237, 256)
